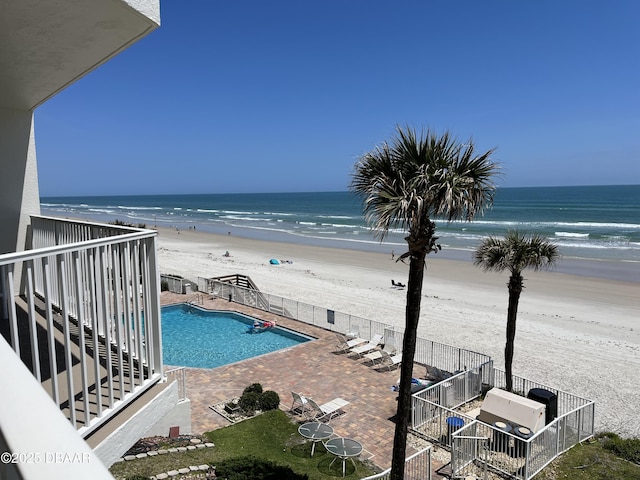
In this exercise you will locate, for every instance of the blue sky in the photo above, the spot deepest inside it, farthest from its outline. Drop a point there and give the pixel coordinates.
(255, 96)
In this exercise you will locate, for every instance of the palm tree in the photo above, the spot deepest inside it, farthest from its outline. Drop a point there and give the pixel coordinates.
(515, 252)
(407, 184)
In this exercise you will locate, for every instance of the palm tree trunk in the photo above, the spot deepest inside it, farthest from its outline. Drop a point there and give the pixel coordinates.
(414, 295)
(515, 289)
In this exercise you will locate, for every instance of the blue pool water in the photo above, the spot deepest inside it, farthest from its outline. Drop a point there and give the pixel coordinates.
(192, 337)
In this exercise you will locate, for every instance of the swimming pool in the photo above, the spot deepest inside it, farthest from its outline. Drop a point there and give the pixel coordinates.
(193, 337)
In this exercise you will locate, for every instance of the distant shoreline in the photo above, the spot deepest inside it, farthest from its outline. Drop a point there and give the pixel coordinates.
(626, 271)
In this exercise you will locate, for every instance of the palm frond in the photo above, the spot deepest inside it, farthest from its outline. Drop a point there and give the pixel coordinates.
(417, 177)
(516, 252)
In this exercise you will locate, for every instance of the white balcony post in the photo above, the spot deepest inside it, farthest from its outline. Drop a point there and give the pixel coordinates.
(95, 342)
(77, 268)
(13, 316)
(135, 299)
(154, 304)
(126, 285)
(117, 291)
(103, 317)
(62, 277)
(33, 330)
(53, 367)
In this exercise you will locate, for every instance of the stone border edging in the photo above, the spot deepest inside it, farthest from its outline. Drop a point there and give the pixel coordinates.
(197, 445)
(181, 471)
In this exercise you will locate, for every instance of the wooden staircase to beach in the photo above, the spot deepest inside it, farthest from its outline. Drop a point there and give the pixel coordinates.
(256, 297)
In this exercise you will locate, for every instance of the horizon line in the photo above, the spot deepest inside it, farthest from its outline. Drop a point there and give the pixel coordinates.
(303, 192)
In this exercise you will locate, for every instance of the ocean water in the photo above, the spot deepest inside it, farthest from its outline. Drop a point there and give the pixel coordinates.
(588, 223)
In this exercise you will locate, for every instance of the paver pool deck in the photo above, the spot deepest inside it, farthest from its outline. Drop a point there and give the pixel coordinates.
(311, 368)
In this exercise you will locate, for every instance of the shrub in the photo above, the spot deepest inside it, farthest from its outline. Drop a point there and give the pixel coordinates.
(120, 223)
(254, 387)
(251, 468)
(137, 477)
(269, 400)
(164, 286)
(628, 449)
(249, 402)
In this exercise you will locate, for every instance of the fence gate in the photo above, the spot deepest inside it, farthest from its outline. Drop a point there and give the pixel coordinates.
(469, 457)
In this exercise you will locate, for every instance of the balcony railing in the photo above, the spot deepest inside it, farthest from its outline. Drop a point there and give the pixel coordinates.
(81, 308)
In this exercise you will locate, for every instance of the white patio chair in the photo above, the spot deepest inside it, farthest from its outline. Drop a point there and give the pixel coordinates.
(345, 345)
(373, 343)
(300, 401)
(391, 361)
(330, 409)
(378, 356)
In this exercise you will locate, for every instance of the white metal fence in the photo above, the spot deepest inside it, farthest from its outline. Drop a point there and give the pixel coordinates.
(416, 467)
(477, 447)
(179, 375)
(444, 358)
(81, 308)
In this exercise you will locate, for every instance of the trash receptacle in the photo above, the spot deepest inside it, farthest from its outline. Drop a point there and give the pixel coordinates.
(187, 288)
(453, 425)
(548, 399)
(500, 437)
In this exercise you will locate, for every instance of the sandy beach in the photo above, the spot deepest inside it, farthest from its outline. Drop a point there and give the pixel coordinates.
(579, 334)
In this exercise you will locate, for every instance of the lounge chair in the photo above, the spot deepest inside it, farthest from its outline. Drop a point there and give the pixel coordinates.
(379, 355)
(345, 345)
(391, 361)
(373, 344)
(330, 409)
(300, 401)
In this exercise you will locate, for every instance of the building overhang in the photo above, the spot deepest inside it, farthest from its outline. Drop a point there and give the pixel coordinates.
(45, 45)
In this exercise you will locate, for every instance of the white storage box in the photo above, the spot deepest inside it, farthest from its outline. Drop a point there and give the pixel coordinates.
(502, 406)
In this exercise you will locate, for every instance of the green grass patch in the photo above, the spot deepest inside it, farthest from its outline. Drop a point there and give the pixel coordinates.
(595, 460)
(272, 436)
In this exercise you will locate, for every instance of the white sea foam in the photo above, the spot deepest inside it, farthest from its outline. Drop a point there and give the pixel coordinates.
(102, 210)
(236, 212)
(282, 214)
(571, 234)
(340, 225)
(124, 207)
(248, 219)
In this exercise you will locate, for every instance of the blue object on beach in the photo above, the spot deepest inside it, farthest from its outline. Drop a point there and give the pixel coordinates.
(273, 261)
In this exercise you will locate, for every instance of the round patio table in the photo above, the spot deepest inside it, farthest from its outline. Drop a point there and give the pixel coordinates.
(316, 432)
(343, 448)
